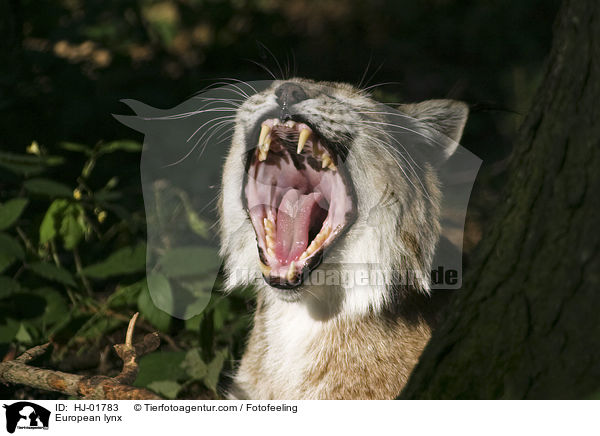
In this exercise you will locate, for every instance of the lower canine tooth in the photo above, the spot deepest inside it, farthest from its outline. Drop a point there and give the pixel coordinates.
(266, 270)
(292, 271)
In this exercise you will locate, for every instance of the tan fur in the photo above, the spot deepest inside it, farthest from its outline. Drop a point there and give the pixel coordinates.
(340, 342)
(369, 357)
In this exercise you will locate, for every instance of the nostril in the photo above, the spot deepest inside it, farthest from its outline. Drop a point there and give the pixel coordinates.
(289, 94)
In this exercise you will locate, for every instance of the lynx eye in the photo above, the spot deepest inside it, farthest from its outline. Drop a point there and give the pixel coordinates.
(299, 198)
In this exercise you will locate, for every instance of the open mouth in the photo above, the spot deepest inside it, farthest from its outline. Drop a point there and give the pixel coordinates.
(299, 198)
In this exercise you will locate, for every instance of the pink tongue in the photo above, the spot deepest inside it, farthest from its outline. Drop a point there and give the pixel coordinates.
(293, 223)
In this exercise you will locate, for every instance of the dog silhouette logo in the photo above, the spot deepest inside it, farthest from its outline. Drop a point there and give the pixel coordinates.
(26, 415)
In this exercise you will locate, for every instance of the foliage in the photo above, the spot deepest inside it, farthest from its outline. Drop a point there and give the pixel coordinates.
(72, 221)
(72, 271)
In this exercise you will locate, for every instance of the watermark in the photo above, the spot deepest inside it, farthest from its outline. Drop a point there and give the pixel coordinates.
(25, 415)
(360, 275)
(182, 167)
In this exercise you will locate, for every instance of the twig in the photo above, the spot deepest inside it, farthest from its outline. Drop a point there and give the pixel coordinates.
(79, 268)
(18, 371)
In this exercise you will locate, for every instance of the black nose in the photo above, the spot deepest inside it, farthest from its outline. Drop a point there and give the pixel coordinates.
(289, 94)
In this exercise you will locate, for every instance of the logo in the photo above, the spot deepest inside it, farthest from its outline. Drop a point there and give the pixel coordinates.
(26, 415)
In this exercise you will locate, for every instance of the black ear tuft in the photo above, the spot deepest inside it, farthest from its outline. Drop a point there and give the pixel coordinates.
(447, 117)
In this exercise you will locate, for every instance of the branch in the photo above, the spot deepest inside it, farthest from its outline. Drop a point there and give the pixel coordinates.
(99, 387)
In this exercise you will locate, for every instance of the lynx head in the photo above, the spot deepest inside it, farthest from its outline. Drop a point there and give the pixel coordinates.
(320, 176)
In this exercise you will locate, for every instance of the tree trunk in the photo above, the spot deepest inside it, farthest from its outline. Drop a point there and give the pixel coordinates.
(527, 323)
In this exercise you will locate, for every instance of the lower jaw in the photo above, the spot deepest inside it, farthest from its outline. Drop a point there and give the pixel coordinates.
(285, 283)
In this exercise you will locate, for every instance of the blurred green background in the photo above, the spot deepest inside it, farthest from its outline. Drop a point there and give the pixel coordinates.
(72, 222)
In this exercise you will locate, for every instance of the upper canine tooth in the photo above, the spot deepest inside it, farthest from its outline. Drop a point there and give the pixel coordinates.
(304, 134)
(263, 149)
(264, 131)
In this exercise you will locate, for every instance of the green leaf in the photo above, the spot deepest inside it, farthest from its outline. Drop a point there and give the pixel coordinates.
(23, 335)
(77, 148)
(65, 218)
(8, 286)
(161, 292)
(50, 223)
(21, 164)
(8, 330)
(197, 224)
(28, 165)
(53, 272)
(10, 246)
(214, 370)
(11, 211)
(6, 261)
(72, 226)
(123, 145)
(124, 261)
(160, 365)
(189, 261)
(56, 306)
(10, 251)
(194, 323)
(194, 366)
(159, 319)
(127, 295)
(47, 187)
(100, 327)
(165, 388)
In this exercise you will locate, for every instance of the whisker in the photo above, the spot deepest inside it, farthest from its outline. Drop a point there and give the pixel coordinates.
(274, 58)
(263, 67)
(199, 140)
(209, 121)
(381, 84)
(373, 76)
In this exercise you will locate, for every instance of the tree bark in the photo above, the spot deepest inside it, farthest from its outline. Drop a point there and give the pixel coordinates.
(527, 323)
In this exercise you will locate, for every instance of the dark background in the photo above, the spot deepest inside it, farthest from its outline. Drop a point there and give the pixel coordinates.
(66, 64)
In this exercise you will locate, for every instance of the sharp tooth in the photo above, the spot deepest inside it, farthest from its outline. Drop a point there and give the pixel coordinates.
(263, 149)
(304, 134)
(264, 131)
(290, 123)
(292, 271)
(266, 270)
(270, 252)
(270, 241)
(268, 225)
(326, 161)
(304, 256)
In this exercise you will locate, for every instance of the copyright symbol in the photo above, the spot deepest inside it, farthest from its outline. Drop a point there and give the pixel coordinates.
(137, 407)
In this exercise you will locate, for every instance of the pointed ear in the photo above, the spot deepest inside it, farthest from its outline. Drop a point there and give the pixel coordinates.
(447, 117)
